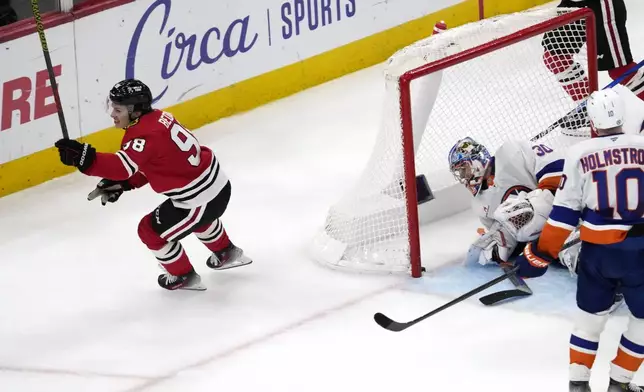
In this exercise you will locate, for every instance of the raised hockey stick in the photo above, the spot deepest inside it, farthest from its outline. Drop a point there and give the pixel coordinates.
(50, 69)
(521, 287)
(563, 119)
(395, 326)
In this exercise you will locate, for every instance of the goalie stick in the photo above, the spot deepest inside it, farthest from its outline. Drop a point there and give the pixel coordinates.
(521, 290)
(395, 326)
(564, 119)
(521, 287)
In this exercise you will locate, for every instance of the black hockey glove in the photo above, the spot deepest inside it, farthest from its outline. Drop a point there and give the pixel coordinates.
(109, 190)
(74, 153)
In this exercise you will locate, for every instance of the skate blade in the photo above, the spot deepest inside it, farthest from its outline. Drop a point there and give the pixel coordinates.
(196, 287)
(243, 260)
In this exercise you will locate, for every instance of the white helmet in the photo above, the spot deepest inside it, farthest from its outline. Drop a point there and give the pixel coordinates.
(605, 109)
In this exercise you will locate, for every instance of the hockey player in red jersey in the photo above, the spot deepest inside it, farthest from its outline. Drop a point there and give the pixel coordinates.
(601, 192)
(613, 53)
(157, 150)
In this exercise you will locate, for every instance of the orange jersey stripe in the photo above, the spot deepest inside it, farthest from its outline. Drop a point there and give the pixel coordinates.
(601, 237)
(582, 358)
(627, 361)
(552, 239)
(550, 183)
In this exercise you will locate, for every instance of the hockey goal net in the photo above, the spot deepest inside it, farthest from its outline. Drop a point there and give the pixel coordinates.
(507, 77)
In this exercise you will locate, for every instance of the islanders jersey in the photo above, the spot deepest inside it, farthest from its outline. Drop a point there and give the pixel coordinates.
(517, 166)
(603, 186)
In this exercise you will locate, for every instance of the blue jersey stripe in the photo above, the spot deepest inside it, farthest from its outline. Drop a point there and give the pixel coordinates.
(551, 168)
(634, 347)
(606, 218)
(565, 215)
(583, 343)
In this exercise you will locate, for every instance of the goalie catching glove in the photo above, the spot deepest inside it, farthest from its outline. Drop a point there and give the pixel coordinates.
(109, 190)
(524, 216)
(518, 219)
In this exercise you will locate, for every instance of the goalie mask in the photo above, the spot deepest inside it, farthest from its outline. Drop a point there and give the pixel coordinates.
(468, 160)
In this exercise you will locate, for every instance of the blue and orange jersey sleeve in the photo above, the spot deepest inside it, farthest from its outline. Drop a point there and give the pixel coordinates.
(548, 166)
(566, 211)
(549, 175)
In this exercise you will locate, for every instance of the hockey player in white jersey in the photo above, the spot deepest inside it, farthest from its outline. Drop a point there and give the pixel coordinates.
(513, 192)
(603, 188)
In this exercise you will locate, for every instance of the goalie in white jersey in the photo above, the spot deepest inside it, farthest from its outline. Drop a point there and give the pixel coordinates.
(602, 189)
(513, 192)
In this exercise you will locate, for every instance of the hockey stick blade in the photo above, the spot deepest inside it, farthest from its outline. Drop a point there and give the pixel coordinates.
(395, 326)
(500, 296)
(388, 323)
(521, 287)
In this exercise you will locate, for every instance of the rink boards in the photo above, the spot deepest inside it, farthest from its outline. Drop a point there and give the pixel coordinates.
(203, 61)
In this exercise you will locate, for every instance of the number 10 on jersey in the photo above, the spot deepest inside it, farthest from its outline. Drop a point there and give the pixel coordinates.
(622, 194)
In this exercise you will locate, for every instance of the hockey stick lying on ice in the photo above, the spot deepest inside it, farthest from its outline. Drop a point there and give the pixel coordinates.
(521, 287)
(521, 290)
(564, 119)
(395, 326)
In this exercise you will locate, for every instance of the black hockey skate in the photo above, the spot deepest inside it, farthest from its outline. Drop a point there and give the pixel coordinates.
(615, 386)
(189, 281)
(230, 257)
(578, 386)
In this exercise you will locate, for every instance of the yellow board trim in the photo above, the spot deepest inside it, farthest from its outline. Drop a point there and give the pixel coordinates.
(44, 165)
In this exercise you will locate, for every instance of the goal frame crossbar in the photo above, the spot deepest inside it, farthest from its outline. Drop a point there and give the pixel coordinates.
(404, 83)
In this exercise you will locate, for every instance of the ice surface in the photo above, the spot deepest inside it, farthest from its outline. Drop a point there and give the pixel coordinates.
(81, 311)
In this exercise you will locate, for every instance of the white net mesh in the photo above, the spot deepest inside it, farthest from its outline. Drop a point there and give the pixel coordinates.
(513, 92)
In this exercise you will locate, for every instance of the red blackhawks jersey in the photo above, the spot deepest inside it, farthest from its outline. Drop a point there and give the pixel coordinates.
(156, 149)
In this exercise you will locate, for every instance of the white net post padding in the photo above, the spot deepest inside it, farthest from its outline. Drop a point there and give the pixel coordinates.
(490, 80)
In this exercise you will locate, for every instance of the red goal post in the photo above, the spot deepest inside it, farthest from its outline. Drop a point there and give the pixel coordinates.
(361, 233)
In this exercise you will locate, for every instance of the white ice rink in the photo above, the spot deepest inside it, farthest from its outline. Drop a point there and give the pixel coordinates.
(80, 309)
